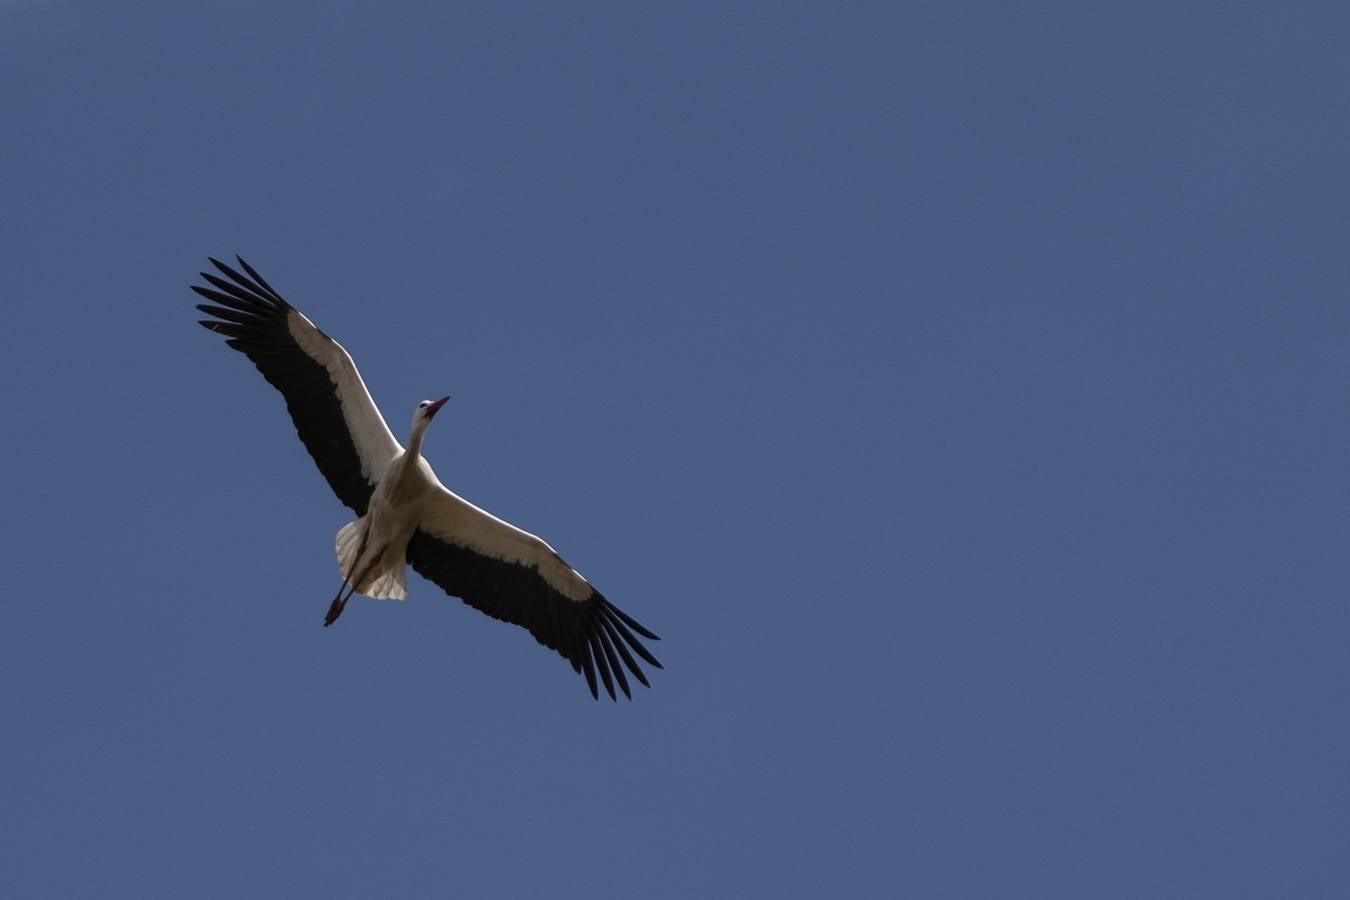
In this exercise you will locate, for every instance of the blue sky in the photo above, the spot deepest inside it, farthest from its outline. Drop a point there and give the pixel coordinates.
(961, 392)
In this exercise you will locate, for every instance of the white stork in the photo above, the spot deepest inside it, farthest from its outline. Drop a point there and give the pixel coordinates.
(404, 513)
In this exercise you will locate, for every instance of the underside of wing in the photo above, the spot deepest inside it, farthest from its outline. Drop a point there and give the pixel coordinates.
(514, 576)
(333, 412)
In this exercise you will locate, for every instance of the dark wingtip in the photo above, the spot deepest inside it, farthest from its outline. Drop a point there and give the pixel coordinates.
(582, 654)
(608, 611)
(614, 666)
(598, 655)
(630, 621)
(245, 282)
(617, 643)
(261, 281)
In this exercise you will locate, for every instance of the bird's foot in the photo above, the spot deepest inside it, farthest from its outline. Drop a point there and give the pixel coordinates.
(334, 610)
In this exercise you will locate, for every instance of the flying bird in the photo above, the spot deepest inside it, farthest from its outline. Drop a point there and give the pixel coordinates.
(404, 515)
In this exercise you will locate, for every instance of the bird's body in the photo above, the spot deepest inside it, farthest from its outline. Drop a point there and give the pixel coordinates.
(372, 549)
(404, 514)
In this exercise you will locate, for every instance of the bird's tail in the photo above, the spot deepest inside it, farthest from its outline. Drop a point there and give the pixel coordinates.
(386, 582)
(349, 541)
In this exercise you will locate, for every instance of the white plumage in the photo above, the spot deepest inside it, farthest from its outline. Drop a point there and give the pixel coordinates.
(404, 514)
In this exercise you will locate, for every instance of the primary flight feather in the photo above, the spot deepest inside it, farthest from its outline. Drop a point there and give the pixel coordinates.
(404, 514)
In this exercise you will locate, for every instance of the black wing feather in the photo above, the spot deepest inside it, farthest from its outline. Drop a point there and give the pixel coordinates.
(613, 661)
(623, 651)
(254, 318)
(580, 632)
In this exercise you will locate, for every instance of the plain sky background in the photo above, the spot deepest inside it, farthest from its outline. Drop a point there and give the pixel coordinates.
(961, 390)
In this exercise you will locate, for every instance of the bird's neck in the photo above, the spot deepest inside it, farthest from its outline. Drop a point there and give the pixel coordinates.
(415, 442)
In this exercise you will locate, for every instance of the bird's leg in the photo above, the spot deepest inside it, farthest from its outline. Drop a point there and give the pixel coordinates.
(339, 603)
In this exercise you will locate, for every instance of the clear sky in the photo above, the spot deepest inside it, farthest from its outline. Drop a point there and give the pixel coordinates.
(962, 391)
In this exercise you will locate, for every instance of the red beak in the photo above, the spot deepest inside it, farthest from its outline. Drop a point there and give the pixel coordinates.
(433, 408)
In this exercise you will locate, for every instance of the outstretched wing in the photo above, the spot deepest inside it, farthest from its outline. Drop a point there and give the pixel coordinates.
(337, 420)
(514, 576)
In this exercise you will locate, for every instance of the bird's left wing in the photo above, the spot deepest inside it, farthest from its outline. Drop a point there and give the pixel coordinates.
(337, 420)
(514, 576)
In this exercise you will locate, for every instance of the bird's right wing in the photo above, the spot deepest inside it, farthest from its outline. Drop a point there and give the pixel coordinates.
(515, 576)
(337, 420)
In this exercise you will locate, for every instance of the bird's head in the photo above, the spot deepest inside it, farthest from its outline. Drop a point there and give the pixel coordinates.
(426, 411)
